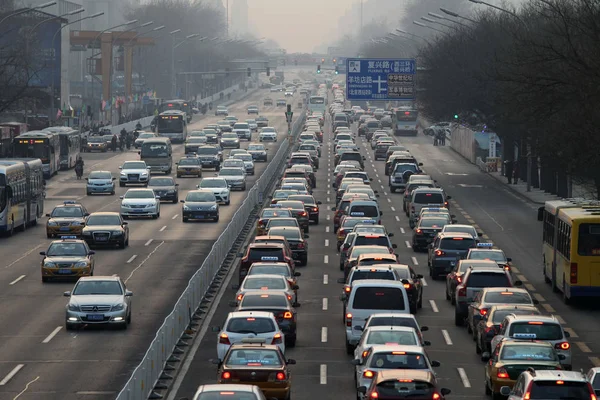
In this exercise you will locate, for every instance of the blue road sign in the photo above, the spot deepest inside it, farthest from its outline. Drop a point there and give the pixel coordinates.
(380, 79)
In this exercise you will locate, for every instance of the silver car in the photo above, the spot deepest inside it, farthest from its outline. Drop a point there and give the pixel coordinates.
(235, 177)
(140, 203)
(98, 300)
(248, 162)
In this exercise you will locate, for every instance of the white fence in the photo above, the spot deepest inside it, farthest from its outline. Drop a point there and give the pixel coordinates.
(146, 376)
(463, 142)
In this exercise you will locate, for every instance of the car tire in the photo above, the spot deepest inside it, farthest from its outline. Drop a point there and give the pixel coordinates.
(477, 347)
(121, 184)
(448, 297)
(420, 302)
(122, 244)
(44, 279)
(291, 342)
(49, 235)
(112, 193)
(125, 216)
(306, 229)
(459, 320)
(184, 220)
(349, 348)
(413, 308)
(488, 391)
(216, 219)
(88, 193)
(228, 202)
(176, 200)
(304, 261)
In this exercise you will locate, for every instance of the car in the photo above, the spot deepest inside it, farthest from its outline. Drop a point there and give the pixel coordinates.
(395, 319)
(141, 137)
(536, 383)
(425, 197)
(96, 143)
(248, 160)
(404, 384)
(221, 110)
(233, 163)
(190, 165)
(231, 119)
(302, 171)
(252, 109)
(271, 374)
(98, 300)
(267, 134)
(242, 130)
(445, 250)
(241, 325)
(224, 127)
(274, 268)
(252, 124)
(296, 240)
(219, 187)
(235, 177)
(67, 258)
(426, 231)
(258, 151)
(165, 188)
(470, 229)
(192, 143)
(100, 182)
(263, 252)
(485, 251)
(134, 172)
(200, 204)
(270, 213)
(257, 283)
(106, 229)
(310, 205)
(268, 101)
(386, 335)
(381, 272)
(455, 276)
(281, 102)
(66, 219)
(140, 203)
(298, 212)
(225, 391)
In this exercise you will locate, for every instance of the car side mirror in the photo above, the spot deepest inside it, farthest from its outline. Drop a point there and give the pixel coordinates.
(394, 246)
(122, 167)
(67, 294)
(291, 361)
(453, 216)
(319, 203)
(391, 234)
(536, 302)
(380, 213)
(183, 201)
(518, 283)
(375, 191)
(332, 209)
(508, 259)
(125, 223)
(121, 197)
(485, 357)
(128, 293)
(48, 215)
(567, 334)
(295, 287)
(448, 197)
(42, 253)
(426, 343)
(424, 328)
(235, 286)
(435, 363)
(479, 233)
(364, 158)
(297, 274)
(445, 391)
(371, 179)
(91, 253)
(356, 361)
(420, 164)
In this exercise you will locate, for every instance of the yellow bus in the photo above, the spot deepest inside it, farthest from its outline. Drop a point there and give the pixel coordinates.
(571, 247)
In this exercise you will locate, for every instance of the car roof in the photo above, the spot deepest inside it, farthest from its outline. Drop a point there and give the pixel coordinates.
(248, 314)
(225, 388)
(480, 263)
(377, 255)
(377, 283)
(114, 278)
(271, 237)
(264, 276)
(266, 245)
(111, 213)
(541, 318)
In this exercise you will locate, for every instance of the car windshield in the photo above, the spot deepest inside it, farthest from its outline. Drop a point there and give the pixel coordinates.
(551, 390)
(83, 288)
(196, 140)
(213, 183)
(274, 213)
(200, 197)
(67, 212)
(134, 165)
(293, 234)
(231, 172)
(264, 283)
(378, 298)
(268, 130)
(189, 161)
(358, 250)
(145, 135)
(229, 136)
(525, 352)
(281, 270)
(398, 360)
(507, 297)
(307, 200)
(457, 243)
(96, 220)
(256, 147)
(499, 315)
(250, 325)
(154, 149)
(488, 279)
(253, 357)
(282, 222)
(100, 175)
(541, 330)
(376, 230)
(232, 163)
(428, 198)
(390, 337)
(461, 229)
(161, 182)
(66, 249)
(362, 275)
(264, 300)
(372, 240)
(207, 151)
(243, 157)
(96, 139)
(487, 255)
(139, 194)
(433, 222)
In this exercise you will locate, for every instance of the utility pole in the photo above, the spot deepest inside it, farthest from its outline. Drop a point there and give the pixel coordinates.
(227, 18)
(361, 17)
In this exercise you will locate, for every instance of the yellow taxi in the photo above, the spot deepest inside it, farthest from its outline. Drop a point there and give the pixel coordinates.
(66, 219)
(511, 357)
(67, 258)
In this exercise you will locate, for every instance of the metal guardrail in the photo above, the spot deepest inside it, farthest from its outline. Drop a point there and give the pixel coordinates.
(148, 373)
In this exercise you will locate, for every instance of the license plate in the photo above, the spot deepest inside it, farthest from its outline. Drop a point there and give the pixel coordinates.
(64, 271)
(95, 317)
(64, 229)
(199, 216)
(101, 239)
(137, 211)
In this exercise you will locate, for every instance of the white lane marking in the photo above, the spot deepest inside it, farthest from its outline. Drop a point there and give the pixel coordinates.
(414, 260)
(583, 347)
(325, 303)
(385, 193)
(323, 374)
(133, 257)
(389, 200)
(327, 229)
(23, 256)
(383, 187)
(326, 242)
(175, 216)
(328, 192)
(163, 228)
(464, 378)
(51, 335)
(144, 260)
(379, 180)
(17, 280)
(26, 387)
(325, 279)
(393, 208)
(326, 259)
(10, 375)
(424, 282)
(407, 243)
(328, 200)
(447, 337)
(397, 218)
(402, 230)
(324, 334)
(328, 217)
(433, 306)
(376, 174)
(148, 242)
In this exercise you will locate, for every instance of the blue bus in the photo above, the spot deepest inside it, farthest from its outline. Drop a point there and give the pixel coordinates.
(42, 145)
(21, 193)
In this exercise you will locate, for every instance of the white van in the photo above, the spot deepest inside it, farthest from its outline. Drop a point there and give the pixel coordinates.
(369, 297)
(365, 208)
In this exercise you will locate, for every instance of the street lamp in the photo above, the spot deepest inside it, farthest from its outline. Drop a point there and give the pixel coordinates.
(455, 15)
(427, 26)
(173, 75)
(435, 22)
(411, 34)
(402, 37)
(54, 56)
(74, 12)
(28, 9)
(496, 7)
(438, 16)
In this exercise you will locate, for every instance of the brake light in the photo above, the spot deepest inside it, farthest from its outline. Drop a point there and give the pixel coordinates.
(240, 297)
(573, 272)
(277, 338)
(439, 253)
(224, 339)
(301, 245)
(535, 323)
(436, 396)
(491, 329)
(226, 375)
(261, 224)
(349, 319)
(483, 311)
(315, 209)
(458, 279)
(374, 395)
(288, 315)
(419, 231)
(446, 204)
(303, 214)
(368, 374)
(407, 286)
(502, 374)
(462, 291)
(591, 389)
(562, 346)
(280, 376)
(289, 297)
(347, 289)
(364, 353)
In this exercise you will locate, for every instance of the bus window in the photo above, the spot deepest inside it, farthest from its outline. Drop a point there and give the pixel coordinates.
(589, 240)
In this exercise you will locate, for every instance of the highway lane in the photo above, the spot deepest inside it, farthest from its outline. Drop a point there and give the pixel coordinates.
(323, 368)
(163, 254)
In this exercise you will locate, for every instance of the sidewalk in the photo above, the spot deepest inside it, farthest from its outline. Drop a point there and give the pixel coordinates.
(536, 196)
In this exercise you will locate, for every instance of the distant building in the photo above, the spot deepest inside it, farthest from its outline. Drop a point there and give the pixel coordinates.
(238, 14)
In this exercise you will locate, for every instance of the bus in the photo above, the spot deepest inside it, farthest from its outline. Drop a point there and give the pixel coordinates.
(316, 104)
(172, 125)
(180, 105)
(42, 145)
(406, 122)
(158, 154)
(571, 247)
(70, 145)
(21, 193)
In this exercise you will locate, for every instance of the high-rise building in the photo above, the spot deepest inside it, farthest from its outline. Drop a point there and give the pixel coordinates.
(238, 14)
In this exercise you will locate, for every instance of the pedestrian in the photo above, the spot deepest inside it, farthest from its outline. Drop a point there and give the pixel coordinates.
(516, 173)
(508, 170)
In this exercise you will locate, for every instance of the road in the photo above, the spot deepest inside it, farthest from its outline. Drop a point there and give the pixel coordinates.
(323, 369)
(38, 358)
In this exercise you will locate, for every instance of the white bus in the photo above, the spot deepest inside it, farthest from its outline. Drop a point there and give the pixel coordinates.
(39, 144)
(316, 104)
(21, 193)
(70, 145)
(173, 125)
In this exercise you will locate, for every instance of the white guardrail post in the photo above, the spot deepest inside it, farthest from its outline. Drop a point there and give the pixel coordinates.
(164, 350)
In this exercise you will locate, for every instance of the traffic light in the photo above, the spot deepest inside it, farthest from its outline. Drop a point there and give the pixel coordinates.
(337, 70)
(289, 108)
(318, 69)
(322, 60)
(455, 116)
(249, 72)
(334, 60)
(268, 71)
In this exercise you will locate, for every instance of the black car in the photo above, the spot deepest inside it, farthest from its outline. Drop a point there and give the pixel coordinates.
(277, 303)
(209, 156)
(425, 231)
(413, 283)
(106, 229)
(490, 325)
(296, 240)
(165, 188)
(200, 205)
(310, 205)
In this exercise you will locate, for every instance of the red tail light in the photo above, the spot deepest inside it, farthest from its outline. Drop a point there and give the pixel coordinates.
(288, 315)
(224, 339)
(349, 319)
(573, 273)
(462, 291)
(483, 311)
(368, 374)
(277, 338)
(240, 297)
(347, 289)
(446, 204)
(315, 209)
(419, 232)
(562, 346)
(591, 389)
(301, 245)
(436, 396)
(439, 253)
(491, 329)
(280, 376)
(226, 375)
(458, 279)
(502, 374)
(261, 224)
(375, 395)
(407, 286)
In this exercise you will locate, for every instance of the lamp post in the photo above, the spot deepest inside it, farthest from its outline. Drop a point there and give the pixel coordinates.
(427, 26)
(455, 15)
(438, 16)
(411, 34)
(436, 22)
(173, 75)
(28, 9)
(53, 94)
(496, 7)
(74, 12)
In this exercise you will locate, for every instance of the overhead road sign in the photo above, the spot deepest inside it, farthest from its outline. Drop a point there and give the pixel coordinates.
(380, 79)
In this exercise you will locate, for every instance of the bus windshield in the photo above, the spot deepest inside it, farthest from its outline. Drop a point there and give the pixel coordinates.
(154, 150)
(33, 148)
(170, 123)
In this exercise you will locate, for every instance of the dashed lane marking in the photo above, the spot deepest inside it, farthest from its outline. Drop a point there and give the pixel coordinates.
(328, 192)
(514, 269)
(327, 229)
(433, 306)
(389, 200)
(325, 279)
(11, 374)
(175, 216)
(583, 347)
(141, 264)
(594, 360)
(446, 336)
(328, 217)
(328, 200)
(530, 287)
(425, 284)
(17, 280)
(52, 334)
(393, 208)
(326, 259)
(133, 257)
(23, 256)
(539, 297)
(470, 220)
(402, 230)
(148, 242)
(323, 374)
(560, 319)
(486, 237)
(571, 332)
(522, 278)
(414, 260)
(397, 218)
(379, 180)
(463, 377)
(385, 193)
(324, 334)
(548, 308)
(163, 228)
(325, 303)
(326, 242)
(407, 243)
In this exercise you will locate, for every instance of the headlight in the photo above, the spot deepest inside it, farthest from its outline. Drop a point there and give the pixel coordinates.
(81, 264)
(213, 208)
(170, 191)
(86, 233)
(225, 191)
(117, 233)
(144, 173)
(186, 208)
(73, 307)
(123, 173)
(52, 223)
(49, 264)
(117, 307)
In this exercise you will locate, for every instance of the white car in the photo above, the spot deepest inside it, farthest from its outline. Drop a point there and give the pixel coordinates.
(140, 203)
(242, 130)
(252, 124)
(267, 134)
(219, 187)
(249, 324)
(134, 172)
(400, 335)
(235, 177)
(256, 283)
(233, 163)
(248, 162)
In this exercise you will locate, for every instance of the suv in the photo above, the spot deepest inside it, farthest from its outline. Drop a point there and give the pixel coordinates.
(263, 252)
(549, 384)
(455, 277)
(421, 197)
(400, 174)
(445, 251)
(474, 281)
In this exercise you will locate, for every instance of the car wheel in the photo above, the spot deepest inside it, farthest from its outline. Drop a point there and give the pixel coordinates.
(349, 348)
(88, 193)
(306, 229)
(448, 297)
(459, 320)
(121, 184)
(176, 200)
(184, 219)
(155, 216)
(122, 244)
(341, 267)
(112, 193)
(125, 216)
(217, 219)
(477, 347)
(44, 279)
(228, 202)
(49, 235)
(291, 342)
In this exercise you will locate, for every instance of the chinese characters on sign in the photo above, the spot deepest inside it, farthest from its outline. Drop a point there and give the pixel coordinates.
(380, 79)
